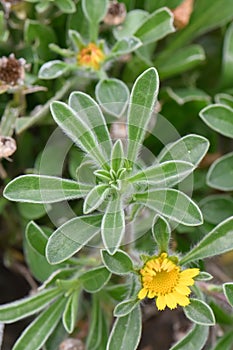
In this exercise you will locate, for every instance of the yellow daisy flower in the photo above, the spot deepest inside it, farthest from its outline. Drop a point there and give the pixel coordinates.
(162, 279)
(91, 56)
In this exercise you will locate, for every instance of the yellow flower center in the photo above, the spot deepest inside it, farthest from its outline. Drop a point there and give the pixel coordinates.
(91, 56)
(163, 282)
(162, 279)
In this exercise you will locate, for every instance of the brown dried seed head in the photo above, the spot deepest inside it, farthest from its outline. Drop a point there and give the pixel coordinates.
(12, 70)
(7, 146)
(183, 13)
(116, 13)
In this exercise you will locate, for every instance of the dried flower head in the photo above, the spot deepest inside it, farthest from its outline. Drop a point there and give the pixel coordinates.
(182, 14)
(91, 56)
(163, 279)
(12, 70)
(7, 146)
(116, 13)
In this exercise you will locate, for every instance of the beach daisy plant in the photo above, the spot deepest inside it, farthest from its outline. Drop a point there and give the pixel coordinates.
(120, 191)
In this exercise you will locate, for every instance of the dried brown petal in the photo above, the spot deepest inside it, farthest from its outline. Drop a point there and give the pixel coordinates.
(11, 70)
(116, 13)
(71, 344)
(182, 14)
(7, 146)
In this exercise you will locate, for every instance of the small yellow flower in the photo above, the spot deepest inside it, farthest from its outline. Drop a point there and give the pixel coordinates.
(91, 56)
(162, 279)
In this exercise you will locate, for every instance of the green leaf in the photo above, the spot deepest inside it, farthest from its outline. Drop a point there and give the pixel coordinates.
(124, 46)
(70, 312)
(36, 237)
(206, 18)
(76, 39)
(36, 334)
(96, 339)
(195, 339)
(142, 101)
(220, 174)
(227, 71)
(125, 307)
(132, 22)
(156, 26)
(228, 291)
(72, 239)
(172, 204)
(94, 13)
(32, 211)
(199, 312)
(113, 96)
(113, 225)
(219, 118)
(85, 174)
(79, 132)
(95, 279)
(216, 208)
(218, 241)
(89, 111)
(165, 174)
(119, 263)
(95, 198)
(190, 148)
(53, 69)
(117, 292)
(225, 342)
(66, 6)
(39, 36)
(184, 95)
(180, 61)
(56, 338)
(224, 99)
(25, 307)
(126, 331)
(43, 189)
(161, 231)
(117, 156)
(4, 34)
(203, 276)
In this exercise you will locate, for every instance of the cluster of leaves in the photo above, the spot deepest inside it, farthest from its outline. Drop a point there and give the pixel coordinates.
(123, 203)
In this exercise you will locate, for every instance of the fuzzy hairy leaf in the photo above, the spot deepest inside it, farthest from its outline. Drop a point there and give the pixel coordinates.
(113, 225)
(219, 175)
(194, 340)
(172, 204)
(199, 312)
(43, 189)
(156, 26)
(142, 101)
(218, 241)
(126, 331)
(72, 239)
(78, 130)
(165, 174)
(36, 334)
(119, 263)
(27, 306)
(89, 111)
(190, 148)
(219, 118)
(113, 96)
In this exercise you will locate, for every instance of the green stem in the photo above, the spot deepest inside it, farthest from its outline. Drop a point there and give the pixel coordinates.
(102, 74)
(93, 31)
